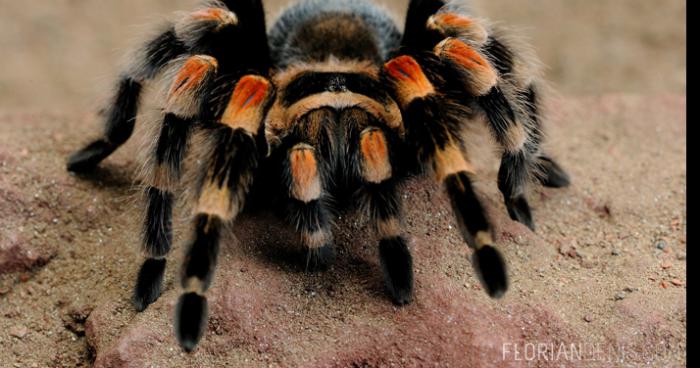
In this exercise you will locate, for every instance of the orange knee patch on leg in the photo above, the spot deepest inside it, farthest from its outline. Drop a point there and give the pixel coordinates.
(482, 74)
(215, 15)
(410, 80)
(452, 20)
(451, 24)
(182, 97)
(246, 106)
(192, 73)
(306, 184)
(375, 156)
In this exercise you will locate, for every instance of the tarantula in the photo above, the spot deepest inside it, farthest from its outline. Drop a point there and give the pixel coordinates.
(332, 105)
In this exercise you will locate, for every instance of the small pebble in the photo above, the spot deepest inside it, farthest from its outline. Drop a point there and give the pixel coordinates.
(661, 245)
(664, 284)
(615, 252)
(682, 256)
(677, 282)
(666, 265)
(18, 331)
(620, 296)
(588, 319)
(629, 289)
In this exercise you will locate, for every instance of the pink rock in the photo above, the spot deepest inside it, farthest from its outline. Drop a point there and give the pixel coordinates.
(17, 254)
(18, 331)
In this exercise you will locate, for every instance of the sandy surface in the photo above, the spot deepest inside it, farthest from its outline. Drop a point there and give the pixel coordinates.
(593, 273)
(597, 242)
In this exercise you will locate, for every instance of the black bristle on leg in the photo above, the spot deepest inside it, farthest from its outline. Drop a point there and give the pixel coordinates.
(487, 261)
(499, 112)
(119, 125)
(319, 259)
(197, 275)
(122, 114)
(466, 206)
(551, 174)
(491, 270)
(190, 320)
(382, 199)
(548, 172)
(309, 218)
(172, 142)
(500, 56)
(512, 178)
(158, 222)
(519, 210)
(397, 265)
(88, 157)
(159, 51)
(148, 284)
(202, 254)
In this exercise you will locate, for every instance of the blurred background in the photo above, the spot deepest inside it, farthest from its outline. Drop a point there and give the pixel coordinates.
(63, 54)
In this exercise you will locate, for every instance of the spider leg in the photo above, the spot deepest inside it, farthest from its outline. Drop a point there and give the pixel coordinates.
(371, 162)
(522, 155)
(513, 174)
(547, 171)
(121, 112)
(433, 123)
(199, 32)
(479, 70)
(225, 178)
(310, 156)
(474, 70)
(180, 115)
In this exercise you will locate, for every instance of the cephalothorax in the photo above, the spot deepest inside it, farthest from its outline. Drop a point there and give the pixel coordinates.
(333, 101)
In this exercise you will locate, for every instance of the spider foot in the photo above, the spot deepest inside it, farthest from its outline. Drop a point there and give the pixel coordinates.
(148, 284)
(397, 266)
(552, 175)
(320, 259)
(491, 270)
(87, 158)
(190, 320)
(519, 210)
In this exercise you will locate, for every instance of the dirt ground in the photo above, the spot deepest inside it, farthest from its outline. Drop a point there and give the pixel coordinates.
(606, 266)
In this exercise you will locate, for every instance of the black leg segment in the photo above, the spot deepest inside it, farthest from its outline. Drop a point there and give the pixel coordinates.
(119, 125)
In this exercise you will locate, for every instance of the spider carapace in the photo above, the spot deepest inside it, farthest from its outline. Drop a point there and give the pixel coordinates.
(331, 102)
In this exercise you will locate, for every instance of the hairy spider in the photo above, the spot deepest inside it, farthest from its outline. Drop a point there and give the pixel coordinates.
(332, 102)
